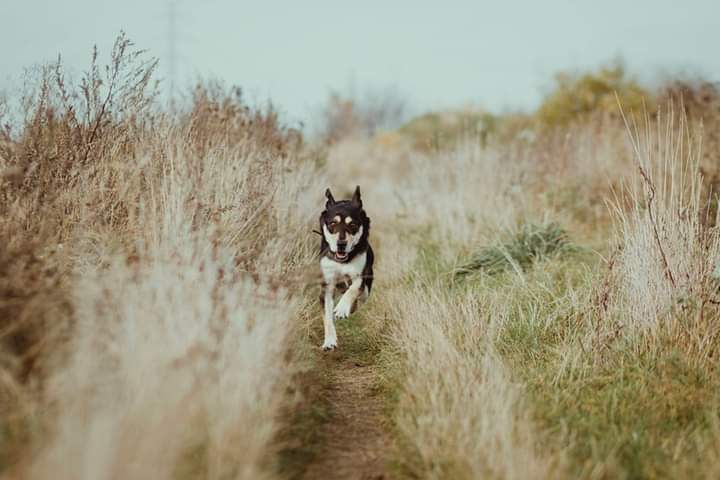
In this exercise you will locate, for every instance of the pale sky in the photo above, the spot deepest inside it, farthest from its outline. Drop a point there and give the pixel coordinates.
(498, 55)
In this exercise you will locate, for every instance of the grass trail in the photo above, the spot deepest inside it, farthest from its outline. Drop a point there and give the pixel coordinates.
(340, 429)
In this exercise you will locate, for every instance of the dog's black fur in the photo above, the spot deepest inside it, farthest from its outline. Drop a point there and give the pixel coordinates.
(352, 208)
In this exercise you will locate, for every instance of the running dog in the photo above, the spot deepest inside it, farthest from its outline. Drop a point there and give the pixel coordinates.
(346, 259)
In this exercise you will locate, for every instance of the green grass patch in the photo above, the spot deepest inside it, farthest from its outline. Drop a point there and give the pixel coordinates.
(632, 412)
(530, 244)
(635, 414)
(300, 438)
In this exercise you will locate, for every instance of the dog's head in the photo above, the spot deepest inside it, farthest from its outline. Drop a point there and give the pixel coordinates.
(344, 225)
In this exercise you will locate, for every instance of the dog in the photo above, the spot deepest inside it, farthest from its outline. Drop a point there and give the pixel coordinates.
(346, 260)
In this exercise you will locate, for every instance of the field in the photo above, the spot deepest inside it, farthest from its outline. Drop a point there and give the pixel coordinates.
(545, 302)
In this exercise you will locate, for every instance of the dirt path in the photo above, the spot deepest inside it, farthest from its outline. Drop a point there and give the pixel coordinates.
(353, 441)
(339, 430)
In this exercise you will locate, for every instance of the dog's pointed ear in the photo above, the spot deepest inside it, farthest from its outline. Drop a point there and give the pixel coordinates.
(330, 200)
(356, 200)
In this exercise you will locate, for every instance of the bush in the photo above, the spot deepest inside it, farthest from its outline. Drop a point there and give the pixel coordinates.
(219, 116)
(578, 97)
(530, 244)
(446, 129)
(348, 115)
(700, 103)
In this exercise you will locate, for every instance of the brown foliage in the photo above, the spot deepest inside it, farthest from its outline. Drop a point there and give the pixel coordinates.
(94, 171)
(219, 117)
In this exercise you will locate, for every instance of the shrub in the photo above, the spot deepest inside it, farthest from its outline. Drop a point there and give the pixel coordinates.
(445, 129)
(578, 97)
(348, 115)
(219, 116)
(532, 243)
(67, 126)
(700, 103)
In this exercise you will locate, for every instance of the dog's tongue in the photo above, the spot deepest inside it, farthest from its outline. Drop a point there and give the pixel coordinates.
(341, 255)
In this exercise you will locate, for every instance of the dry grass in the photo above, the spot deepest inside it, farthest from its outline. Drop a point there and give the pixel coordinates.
(668, 253)
(154, 300)
(572, 367)
(459, 412)
(152, 280)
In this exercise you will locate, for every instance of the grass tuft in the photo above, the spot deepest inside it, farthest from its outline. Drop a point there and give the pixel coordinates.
(532, 243)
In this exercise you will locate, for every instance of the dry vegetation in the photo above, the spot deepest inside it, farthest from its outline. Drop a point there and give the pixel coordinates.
(556, 311)
(151, 274)
(545, 307)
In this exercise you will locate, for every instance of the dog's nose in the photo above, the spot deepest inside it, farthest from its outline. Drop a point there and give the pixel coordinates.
(341, 246)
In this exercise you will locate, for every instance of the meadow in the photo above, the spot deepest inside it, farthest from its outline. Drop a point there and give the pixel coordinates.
(545, 302)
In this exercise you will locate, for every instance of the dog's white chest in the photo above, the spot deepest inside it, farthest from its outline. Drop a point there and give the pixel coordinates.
(333, 271)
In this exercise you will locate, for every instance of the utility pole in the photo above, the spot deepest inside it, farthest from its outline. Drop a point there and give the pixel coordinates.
(172, 44)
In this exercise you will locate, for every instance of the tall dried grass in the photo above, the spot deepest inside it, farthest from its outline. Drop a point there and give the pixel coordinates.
(459, 412)
(152, 284)
(151, 280)
(667, 251)
(513, 376)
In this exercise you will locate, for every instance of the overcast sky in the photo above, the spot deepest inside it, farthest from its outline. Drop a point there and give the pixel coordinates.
(499, 54)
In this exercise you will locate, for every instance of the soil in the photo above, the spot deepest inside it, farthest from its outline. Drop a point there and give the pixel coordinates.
(353, 442)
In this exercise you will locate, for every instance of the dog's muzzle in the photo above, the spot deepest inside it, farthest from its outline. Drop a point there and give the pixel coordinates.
(341, 253)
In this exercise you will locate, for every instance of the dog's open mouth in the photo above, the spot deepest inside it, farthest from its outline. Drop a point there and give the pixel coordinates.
(341, 255)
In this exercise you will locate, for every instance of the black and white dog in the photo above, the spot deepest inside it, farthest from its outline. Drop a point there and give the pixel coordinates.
(346, 259)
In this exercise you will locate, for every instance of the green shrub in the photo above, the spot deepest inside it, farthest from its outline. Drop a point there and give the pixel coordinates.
(530, 244)
(436, 130)
(578, 97)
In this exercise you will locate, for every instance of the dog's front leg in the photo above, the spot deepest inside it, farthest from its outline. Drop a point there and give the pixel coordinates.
(328, 320)
(344, 306)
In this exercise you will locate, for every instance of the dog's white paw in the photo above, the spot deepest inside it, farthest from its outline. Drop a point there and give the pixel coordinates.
(329, 344)
(342, 309)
